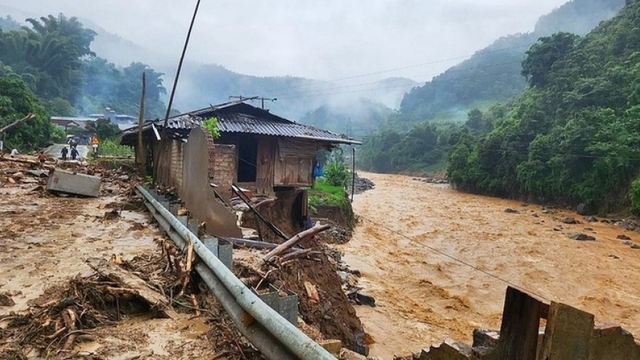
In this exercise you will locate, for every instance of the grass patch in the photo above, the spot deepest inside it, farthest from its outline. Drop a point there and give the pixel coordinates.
(112, 148)
(324, 194)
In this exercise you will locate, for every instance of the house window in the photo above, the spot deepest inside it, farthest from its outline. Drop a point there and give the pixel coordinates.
(247, 158)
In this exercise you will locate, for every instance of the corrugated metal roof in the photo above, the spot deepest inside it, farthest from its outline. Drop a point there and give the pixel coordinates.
(244, 118)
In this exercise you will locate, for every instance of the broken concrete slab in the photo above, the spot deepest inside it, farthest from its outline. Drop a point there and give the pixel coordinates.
(74, 183)
(612, 342)
(448, 350)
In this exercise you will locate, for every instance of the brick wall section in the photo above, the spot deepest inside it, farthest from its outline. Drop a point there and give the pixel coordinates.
(176, 164)
(224, 168)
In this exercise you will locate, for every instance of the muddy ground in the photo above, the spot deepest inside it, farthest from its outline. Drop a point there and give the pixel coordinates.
(45, 241)
(423, 297)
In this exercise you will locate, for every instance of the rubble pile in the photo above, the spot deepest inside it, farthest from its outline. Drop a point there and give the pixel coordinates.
(432, 180)
(361, 185)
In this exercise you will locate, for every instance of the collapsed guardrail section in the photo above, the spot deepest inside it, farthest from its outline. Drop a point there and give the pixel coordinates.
(268, 331)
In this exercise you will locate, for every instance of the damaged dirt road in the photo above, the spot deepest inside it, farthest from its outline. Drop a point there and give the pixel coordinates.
(423, 297)
(45, 241)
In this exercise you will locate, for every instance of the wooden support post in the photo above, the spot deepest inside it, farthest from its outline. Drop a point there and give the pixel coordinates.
(519, 329)
(568, 333)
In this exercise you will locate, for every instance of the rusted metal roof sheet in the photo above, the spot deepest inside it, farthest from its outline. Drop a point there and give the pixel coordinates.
(244, 118)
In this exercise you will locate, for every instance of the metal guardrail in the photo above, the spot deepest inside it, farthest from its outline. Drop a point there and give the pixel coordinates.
(268, 331)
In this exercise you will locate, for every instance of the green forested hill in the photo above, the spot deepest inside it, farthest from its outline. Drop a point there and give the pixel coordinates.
(493, 74)
(574, 135)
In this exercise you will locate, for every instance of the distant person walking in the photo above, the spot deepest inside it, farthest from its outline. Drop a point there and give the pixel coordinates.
(64, 152)
(42, 157)
(14, 153)
(74, 153)
(94, 144)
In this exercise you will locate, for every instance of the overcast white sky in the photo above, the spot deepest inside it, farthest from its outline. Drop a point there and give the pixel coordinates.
(326, 39)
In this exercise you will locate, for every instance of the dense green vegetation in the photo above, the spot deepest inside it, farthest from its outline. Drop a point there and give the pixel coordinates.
(418, 137)
(47, 67)
(419, 150)
(574, 135)
(493, 74)
(16, 101)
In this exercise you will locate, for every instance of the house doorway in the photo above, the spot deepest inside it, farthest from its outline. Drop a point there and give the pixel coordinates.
(247, 158)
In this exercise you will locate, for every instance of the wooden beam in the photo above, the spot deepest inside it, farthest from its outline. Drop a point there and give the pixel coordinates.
(520, 324)
(568, 333)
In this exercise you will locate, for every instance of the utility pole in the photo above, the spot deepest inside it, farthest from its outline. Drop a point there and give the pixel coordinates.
(268, 99)
(175, 81)
(141, 153)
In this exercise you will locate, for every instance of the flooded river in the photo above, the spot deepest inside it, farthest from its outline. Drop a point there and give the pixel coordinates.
(410, 232)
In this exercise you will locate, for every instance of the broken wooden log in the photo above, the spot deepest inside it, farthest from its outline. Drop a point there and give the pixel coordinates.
(296, 254)
(260, 245)
(317, 228)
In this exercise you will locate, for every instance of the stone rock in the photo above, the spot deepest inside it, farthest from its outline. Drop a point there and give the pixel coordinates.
(588, 229)
(333, 346)
(569, 220)
(591, 218)
(581, 237)
(535, 215)
(584, 209)
(511, 211)
(6, 300)
(344, 276)
(628, 243)
(557, 229)
(635, 246)
(614, 256)
(346, 354)
(623, 237)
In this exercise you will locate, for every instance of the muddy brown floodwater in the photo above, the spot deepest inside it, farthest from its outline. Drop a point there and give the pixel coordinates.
(424, 297)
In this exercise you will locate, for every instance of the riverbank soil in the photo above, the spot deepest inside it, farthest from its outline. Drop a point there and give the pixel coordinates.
(424, 297)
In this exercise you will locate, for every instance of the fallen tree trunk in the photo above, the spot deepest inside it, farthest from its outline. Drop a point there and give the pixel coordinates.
(137, 286)
(18, 122)
(317, 228)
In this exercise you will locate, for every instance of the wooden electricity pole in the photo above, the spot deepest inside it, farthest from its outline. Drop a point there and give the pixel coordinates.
(141, 154)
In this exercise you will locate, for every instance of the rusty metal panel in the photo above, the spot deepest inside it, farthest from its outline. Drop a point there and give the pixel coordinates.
(74, 183)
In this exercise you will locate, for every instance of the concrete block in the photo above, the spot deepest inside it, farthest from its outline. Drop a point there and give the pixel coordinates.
(333, 346)
(192, 225)
(612, 342)
(183, 219)
(448, 350)
(568, 333)
(225, 254)
(74, 183)
(288, 308)
(212, 244)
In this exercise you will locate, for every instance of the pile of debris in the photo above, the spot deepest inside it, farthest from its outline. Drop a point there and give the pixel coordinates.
(66, 315)
(116, 290)
(361, 185)
(432, 180)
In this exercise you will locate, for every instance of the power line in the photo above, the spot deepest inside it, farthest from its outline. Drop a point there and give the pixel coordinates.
(453, 258)
(328, 92)
(480, 52)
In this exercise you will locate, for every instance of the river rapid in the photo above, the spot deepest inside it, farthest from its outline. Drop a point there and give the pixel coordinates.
(424, 296)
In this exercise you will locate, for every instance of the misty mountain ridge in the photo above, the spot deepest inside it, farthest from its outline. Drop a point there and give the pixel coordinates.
(492, 74)
(202, 84)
